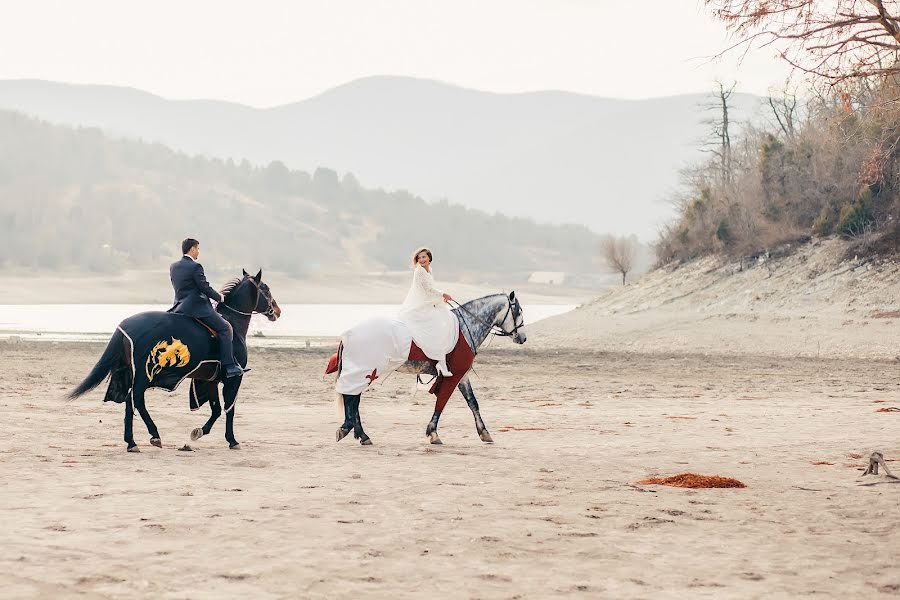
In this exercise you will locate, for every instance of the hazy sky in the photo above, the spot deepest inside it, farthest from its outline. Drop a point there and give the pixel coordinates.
(268, 52)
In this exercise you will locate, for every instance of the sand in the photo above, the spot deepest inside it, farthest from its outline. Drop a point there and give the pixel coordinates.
(781, 375)
(551, 509)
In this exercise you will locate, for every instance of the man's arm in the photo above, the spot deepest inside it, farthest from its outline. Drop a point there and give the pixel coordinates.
(203, 285)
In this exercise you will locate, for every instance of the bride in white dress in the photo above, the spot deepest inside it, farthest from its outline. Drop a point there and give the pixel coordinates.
(425, 311)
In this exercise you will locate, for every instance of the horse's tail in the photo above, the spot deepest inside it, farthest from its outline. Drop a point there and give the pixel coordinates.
(339, 406)
(334, 365)
(110, 362)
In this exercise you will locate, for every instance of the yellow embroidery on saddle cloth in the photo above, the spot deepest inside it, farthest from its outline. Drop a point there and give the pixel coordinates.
(167, 354)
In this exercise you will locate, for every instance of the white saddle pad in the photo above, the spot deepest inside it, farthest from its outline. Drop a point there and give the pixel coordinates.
(372, 350)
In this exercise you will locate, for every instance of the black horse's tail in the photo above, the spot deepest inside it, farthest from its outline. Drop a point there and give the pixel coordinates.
(111, 363)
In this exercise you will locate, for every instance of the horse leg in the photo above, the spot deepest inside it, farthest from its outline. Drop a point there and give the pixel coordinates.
(215, 408)
(141, 407)
(347, 425)
(358, 432)
(129, 418)
(465, 388)
(229, 392)
(431, 431)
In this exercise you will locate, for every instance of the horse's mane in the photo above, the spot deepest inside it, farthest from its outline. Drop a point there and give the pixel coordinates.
(486, 297)
(229, 287)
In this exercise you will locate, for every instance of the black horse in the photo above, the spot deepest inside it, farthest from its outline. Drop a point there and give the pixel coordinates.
(160, 350)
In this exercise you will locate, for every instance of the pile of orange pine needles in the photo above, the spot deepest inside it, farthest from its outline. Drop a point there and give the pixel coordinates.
(693, 480)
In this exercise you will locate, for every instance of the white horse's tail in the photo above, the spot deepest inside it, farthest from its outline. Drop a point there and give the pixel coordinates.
(339, 406)
(335, 366)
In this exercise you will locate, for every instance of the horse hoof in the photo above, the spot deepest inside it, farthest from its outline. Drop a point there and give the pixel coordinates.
(134, 449)
(156, 442)
(365, 442)
(434, 439)
(196, 434)
(486, 437)
(235, 446)
(341, 434)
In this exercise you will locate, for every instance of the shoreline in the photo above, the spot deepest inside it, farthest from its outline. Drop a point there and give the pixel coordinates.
(153, 287)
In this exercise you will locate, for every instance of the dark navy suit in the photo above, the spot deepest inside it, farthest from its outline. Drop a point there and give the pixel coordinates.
(192, 294)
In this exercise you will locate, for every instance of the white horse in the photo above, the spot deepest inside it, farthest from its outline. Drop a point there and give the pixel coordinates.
(497, 314)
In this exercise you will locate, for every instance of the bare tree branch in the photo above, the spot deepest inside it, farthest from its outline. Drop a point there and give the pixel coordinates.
(834, 40)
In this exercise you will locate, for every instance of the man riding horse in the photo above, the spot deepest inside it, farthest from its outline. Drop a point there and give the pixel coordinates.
(192, 296)
(161, 349)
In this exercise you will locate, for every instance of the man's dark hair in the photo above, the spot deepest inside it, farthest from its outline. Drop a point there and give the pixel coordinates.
(188, 244)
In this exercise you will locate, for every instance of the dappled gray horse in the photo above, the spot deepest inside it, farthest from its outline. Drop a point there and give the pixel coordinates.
(497, 314)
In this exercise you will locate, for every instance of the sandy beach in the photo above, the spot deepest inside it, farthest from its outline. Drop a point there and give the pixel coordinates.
(552, 509)
(782, 375)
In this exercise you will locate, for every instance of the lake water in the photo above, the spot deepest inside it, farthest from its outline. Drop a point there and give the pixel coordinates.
(88, 322)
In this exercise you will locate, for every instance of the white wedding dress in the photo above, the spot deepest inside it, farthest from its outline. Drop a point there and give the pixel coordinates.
(434, 328)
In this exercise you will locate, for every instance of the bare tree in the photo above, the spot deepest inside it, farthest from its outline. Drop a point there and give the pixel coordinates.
(835, 40)
(720, 131)
(784, 109)
(619, 253)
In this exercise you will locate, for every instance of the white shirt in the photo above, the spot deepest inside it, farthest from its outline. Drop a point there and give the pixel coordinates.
(423, 291)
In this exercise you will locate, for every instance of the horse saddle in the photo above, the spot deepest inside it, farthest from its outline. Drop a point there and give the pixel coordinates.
(212, 332)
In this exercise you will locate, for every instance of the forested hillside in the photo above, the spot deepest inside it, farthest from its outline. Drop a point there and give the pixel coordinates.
(553, 156)
(76, 198)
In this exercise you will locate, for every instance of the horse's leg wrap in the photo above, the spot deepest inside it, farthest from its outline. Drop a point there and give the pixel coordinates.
(347, 426)
(358, 431)
(349, 402)
(431, 431)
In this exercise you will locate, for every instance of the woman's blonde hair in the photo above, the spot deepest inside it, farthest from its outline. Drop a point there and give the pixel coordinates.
(415, 256)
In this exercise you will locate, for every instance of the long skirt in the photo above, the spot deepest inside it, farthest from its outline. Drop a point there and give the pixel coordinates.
(435, 330)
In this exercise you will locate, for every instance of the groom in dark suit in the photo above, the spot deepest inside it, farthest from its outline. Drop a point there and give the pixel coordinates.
(192, 295)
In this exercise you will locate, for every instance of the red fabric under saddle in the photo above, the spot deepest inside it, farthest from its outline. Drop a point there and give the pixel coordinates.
(459, 361)
(334, 361)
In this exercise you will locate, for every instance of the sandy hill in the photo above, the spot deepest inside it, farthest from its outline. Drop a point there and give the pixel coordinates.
(813, 301)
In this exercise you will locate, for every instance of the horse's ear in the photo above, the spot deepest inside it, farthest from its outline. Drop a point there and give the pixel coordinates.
(512, 296)
(244, 271)
(258, 276)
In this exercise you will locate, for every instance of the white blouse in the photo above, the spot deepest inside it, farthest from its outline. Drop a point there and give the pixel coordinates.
(423, 291)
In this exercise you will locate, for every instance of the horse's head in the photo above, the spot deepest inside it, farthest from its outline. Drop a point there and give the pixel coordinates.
(250, 295)
(513, 320)
(265, 302)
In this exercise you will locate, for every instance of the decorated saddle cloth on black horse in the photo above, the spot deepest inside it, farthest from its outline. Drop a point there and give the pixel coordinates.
(167, 348)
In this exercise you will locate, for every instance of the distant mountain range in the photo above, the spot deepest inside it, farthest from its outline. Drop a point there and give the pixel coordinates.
(555, 157)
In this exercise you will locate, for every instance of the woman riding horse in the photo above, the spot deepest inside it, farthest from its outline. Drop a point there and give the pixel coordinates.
(375, 347)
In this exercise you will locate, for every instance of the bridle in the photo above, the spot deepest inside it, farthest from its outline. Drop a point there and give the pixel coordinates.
(513, 307)
(270, 303)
